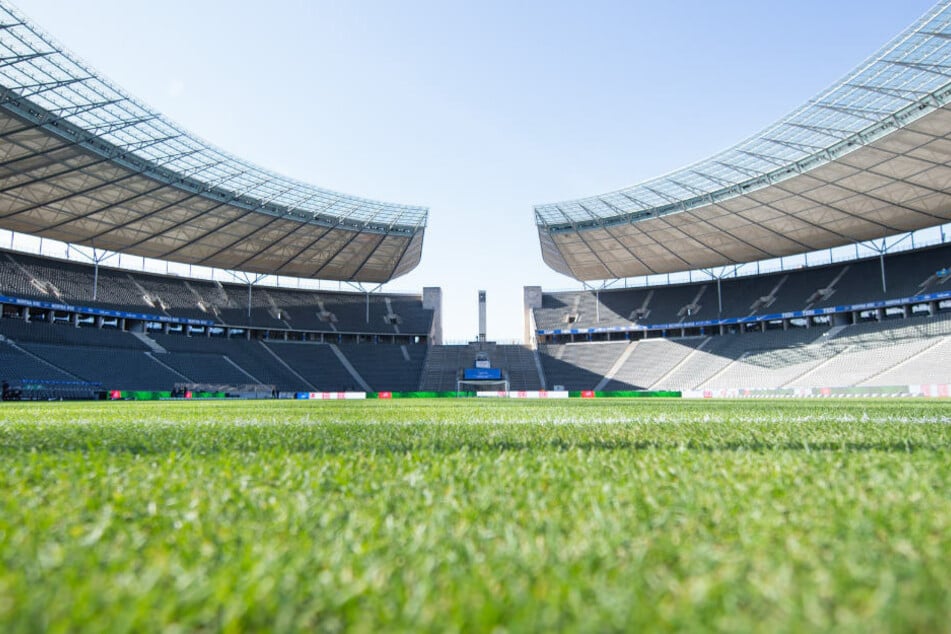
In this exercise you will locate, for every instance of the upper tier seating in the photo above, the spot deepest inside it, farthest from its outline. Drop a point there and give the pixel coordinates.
(61, 281)
(907, 274)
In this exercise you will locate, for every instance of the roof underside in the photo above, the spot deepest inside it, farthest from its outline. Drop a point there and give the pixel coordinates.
(870, 157)
(82, 162)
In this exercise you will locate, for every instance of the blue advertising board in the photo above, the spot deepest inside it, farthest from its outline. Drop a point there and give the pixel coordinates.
(482, 374)
(104, 312)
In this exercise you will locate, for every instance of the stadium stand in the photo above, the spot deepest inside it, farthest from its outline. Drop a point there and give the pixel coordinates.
(756, 359)
(253, 357)
(444, 365)
(856, 166)
(33, 277)
(67, 336)
(114, 368)
(863, 161)
(893, 352)
(577, 366)
(861, 354)
(441, 369)
(697, 365)
(521, 366)
(317, 364)
(19, 364)
(197, 367)
(387, 368)
(928, 365)
(908, 274)
(136, 361)
(647, 361)
(864, 353)
(139, 361)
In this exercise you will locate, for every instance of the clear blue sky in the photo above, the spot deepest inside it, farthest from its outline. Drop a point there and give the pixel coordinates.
(476, 109)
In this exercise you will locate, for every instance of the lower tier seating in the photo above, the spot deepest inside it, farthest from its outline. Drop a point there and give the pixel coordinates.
(899, 351)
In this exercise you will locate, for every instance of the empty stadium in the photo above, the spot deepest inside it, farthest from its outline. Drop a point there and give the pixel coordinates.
(864, 163)
(219, 415)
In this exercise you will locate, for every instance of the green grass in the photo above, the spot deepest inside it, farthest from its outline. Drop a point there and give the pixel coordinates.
(476, 516)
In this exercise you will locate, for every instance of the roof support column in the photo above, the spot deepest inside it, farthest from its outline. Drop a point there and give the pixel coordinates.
(719, 297)
(250, 281)
(886, 248)
(597, 296)
(96, 257)
(719, 275)
(366, 292)
(881, 260)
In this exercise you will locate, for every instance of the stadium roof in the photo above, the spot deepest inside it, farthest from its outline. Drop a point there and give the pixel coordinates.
(83, 162)
(867, 158)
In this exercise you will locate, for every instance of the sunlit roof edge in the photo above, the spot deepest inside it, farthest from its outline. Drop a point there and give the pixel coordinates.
(31, 53)
(916, 67)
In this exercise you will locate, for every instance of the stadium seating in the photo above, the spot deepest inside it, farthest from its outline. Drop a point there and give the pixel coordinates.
(441, 369)
(648, 361)
(127, 361)
(34, 277)
(928, 365)
(68, 336)
(907, 274)
(899, 351)
(317, 364)
(18, 365)
(346, 350)
(200, 367)
(253, 357)
(444, 363)
(114, 368)
(386, 367)
(520, 364)
(579, 366)
(698, 365)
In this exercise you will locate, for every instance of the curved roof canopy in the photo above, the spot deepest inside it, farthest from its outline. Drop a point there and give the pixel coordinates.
(867, 158)
(83, 162)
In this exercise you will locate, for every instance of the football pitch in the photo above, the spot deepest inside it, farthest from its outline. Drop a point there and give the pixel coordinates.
(465, 515)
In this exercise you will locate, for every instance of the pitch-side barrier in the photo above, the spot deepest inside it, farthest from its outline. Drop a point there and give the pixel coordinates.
(893, 391)
(525, 394)
(934, 390)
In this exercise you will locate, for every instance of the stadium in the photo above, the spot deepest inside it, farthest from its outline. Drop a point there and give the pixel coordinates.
(139, 262)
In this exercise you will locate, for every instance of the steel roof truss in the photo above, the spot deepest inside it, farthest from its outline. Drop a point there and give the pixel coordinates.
(270, 221)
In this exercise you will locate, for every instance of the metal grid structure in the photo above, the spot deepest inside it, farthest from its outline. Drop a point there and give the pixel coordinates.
(867, 158)
(85, 163)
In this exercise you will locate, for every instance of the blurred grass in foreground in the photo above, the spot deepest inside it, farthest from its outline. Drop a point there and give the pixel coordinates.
(476, 516)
